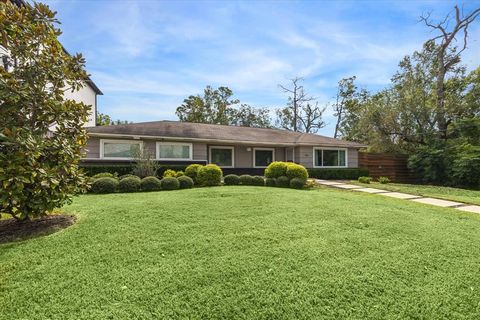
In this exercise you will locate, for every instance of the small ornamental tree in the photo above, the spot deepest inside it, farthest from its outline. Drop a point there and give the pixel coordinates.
(41, 133)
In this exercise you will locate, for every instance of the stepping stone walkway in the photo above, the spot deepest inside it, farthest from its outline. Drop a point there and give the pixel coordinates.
(405, 196)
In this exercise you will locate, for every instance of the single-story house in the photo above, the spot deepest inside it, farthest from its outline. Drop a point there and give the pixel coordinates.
(234, 148)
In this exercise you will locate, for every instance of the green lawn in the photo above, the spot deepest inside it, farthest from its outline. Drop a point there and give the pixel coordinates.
(247, 253)
(454, 194)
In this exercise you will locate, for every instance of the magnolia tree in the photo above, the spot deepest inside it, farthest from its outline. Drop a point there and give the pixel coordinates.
(41, 134)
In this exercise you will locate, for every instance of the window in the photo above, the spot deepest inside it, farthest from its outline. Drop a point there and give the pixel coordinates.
(329, 157)
(262, 157)
(174, 151)
(119, 149)
(222, 156)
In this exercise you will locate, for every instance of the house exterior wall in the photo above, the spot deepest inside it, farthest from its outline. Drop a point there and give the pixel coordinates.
(242, 157)
(88, 96)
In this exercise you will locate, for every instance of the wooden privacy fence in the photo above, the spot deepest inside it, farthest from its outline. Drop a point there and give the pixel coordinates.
(393, 166)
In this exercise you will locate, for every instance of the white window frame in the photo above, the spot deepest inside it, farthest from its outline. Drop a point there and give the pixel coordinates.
(222, 147)
(265, 149)
(102, 149)
(159, 143)
(327, 148)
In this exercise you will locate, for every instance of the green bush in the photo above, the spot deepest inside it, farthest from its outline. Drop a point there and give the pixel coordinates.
(150, 184)
(246, 179)
(185, 182)
(465, 169)
(130, 184)
(283, 182)
(296, 171)
(231, 179)
(383, 180)
(297, 183)
(104, 175)
(258, 181)
(337, 173)
(192, 171)
(209, 175)
(170, 173)
(180, 173)
(104, 185)
(364, 179)
(170, 183)
(127, 176)
(276, 169)
(271, 182)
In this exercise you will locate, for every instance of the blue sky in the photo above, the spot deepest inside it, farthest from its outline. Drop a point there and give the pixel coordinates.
(147, 56)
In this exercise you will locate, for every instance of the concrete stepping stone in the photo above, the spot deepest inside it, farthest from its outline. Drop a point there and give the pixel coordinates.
(474, 209)
(400, 195)
(328, 183)
(346, 186)
(371, 190)
(438, 202)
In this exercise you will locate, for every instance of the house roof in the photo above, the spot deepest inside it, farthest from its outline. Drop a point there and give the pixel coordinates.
(214, 132)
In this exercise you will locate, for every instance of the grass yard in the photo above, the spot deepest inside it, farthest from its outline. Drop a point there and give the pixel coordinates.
(247, 253)
(448, 193)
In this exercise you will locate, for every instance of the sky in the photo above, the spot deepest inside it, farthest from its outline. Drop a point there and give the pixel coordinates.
(147, 56)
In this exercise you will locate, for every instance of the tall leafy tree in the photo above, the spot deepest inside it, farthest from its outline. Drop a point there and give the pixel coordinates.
(41, 132)
(105, 120)
(248, 116)
(345, 95)
(217, 106)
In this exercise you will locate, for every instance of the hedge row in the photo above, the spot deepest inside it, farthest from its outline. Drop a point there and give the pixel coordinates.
(338, 173)
(120, 170)
(134, 184)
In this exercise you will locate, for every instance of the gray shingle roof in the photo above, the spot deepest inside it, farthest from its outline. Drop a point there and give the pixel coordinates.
(209, 132)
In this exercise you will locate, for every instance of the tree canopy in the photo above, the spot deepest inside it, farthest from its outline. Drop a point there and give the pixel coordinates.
(41, 132)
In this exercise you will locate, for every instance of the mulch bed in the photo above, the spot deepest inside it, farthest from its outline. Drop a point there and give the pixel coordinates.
(12, 230)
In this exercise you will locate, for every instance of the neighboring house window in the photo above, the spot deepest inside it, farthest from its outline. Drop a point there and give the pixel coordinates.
(174, 151)
(222, 156)
(329, 157)
(262, 157)
(119, 149)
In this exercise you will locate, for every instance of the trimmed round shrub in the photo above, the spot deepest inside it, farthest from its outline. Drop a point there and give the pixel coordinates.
(383, 180)
(105, 185)
(103, 175)
(271, 182)
(127, 176)
(283, 182)
(209, 175)
(150, 183)
(185, 182)
(276, 169)
(130, 184)
(170, 183)
(364, 179)
(192, 171)
(246, 179)
(231, 180)
(297, 183)
(297, 171)
(258, 181)
(180, 173)
(169, 173)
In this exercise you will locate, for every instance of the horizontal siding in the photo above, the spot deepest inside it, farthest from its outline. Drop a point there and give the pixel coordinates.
(352, 158)
(92, 148)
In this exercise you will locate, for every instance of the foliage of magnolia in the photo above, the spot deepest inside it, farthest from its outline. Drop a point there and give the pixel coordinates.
(41, 134)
